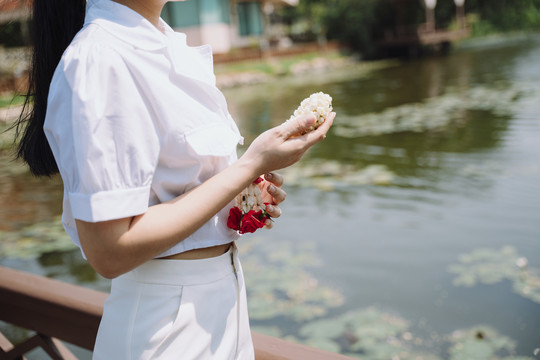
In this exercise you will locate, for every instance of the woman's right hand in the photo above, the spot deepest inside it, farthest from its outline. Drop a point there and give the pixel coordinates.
(281, 146)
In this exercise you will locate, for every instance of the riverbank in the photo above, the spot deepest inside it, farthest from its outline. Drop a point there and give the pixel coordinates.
(253, 71)
(496, 40)
(242, 73)
(256, 71)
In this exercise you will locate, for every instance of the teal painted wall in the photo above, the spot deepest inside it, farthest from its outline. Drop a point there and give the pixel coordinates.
(196, 12)
(214, 11)
(250, 18)
(201, 12)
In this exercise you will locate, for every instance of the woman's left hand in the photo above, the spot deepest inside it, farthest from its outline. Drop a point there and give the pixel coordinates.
(273, 194)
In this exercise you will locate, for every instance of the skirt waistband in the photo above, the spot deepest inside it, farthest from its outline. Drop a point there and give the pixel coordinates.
(183, 272)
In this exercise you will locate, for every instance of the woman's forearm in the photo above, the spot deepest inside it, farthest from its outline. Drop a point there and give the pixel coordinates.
(117, 246)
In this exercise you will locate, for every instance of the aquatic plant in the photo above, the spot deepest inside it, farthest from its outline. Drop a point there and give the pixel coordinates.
(328, 175)
(491, 266)
(289, 292)
(280, 287)
(481, 343)
(35, 240)
(434, 113)
(373, 334)
(366, 333)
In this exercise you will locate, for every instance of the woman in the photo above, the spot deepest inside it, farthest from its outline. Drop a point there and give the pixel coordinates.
(146, 148)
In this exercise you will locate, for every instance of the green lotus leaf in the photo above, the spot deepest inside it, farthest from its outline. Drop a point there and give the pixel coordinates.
(435, 113)
(479, 342)
(326, 328)
(491, 266)
(35, 240)
(280, 286)
(328, 175)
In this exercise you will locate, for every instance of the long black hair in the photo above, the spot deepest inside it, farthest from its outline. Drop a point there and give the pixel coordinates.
(54, 24)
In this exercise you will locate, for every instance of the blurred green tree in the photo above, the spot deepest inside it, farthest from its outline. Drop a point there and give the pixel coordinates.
(360, 23)
(505, 15)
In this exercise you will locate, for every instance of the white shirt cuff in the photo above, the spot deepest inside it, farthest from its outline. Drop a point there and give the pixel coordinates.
(109, 205)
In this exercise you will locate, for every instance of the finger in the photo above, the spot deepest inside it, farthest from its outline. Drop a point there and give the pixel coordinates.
(278, 194)
(297, 126)
(268, 224)
(273, 211)
(274, 178)
(319, 134)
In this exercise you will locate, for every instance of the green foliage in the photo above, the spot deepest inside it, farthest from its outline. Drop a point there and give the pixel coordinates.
(356, 23)
(11, 100)
(361, 23)
(504, 15)
(12, 34)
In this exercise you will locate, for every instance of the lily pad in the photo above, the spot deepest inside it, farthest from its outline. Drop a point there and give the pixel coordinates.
(491, 266)
(479, 343)
(436, 113)
(527, 284)
(370, 332)
(328, 175)
(280, 286)
(35, 240)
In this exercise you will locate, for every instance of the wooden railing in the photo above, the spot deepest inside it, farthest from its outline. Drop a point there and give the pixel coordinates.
(58, 311)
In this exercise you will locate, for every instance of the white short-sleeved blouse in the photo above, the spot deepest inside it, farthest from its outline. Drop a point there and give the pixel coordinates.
(134, 119)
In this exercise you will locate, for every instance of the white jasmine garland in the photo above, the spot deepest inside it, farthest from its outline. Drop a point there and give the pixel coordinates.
(250, 214)
(250, 199)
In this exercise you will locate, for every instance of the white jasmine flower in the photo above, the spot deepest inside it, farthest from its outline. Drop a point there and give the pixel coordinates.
(250, 199)
(318, 104)
(522, 262)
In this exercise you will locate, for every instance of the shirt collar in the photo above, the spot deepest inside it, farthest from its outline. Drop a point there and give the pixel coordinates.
(128, 25)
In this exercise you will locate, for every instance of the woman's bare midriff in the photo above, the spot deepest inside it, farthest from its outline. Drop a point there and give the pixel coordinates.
(203, 253)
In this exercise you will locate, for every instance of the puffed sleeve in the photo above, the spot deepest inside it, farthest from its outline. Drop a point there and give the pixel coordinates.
(102, 134)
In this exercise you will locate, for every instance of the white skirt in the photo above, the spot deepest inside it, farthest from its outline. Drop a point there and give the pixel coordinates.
(177, 309)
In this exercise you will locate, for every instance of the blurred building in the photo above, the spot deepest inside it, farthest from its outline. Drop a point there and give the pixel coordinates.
(14, 10)
(14, 16)
(14, 35)
(224, 24)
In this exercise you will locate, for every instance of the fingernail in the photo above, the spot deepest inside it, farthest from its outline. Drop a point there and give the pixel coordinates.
(271, 188)
(268, 176)
(269, 208)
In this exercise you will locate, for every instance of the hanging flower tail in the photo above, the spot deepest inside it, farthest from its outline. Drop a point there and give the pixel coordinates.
(249, 214)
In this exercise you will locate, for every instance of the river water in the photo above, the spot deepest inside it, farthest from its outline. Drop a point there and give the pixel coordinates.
(411, 232)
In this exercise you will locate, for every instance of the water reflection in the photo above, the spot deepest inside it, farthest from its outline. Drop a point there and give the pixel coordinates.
(54, 265)
(24, 198)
